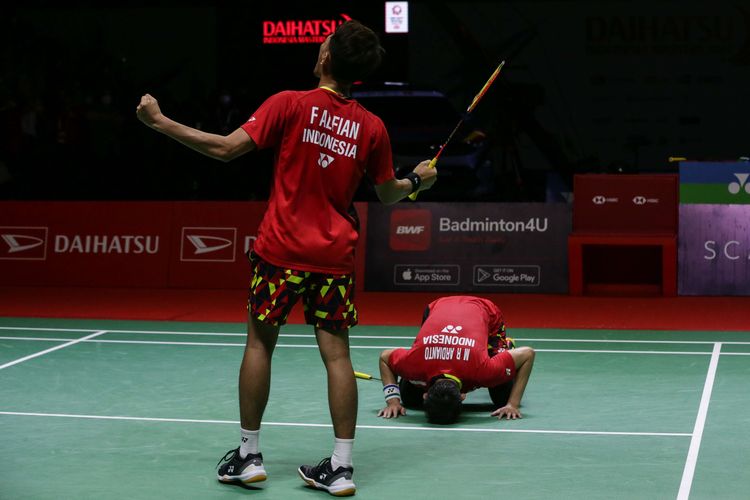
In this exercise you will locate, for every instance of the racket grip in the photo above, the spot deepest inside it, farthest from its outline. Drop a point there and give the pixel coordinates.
(365, 376)
(433, 162)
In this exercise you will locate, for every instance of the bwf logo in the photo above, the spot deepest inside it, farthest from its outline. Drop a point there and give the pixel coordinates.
(23, 243)
(410, 230)
(208, 244)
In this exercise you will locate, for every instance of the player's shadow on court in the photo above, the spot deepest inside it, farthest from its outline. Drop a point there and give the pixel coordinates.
(478, 407)
(243, 485)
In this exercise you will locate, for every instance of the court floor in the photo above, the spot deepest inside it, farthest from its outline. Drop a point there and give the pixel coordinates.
(139, 410)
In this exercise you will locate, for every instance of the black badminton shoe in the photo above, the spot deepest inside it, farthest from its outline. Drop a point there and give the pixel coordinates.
(241, 470)
(322, 476)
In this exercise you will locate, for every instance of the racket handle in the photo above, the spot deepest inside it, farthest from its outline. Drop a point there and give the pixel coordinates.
(365, 376)
(433, 162)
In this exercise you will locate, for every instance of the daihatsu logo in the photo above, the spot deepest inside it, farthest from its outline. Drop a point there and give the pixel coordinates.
(207, 244)
(23, 243)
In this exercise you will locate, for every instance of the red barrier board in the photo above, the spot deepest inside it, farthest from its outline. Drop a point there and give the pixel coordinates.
(80, 243)
(211, 240)
(610, 203)
(134, 244)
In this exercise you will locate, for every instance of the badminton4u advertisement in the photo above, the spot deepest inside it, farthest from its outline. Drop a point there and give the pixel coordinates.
(490, 247)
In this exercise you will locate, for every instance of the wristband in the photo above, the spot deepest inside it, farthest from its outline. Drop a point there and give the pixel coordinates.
(416, 181)
(391, 391)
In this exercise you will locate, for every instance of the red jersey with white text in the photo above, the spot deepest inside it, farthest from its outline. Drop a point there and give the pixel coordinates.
(453, 340)
(324, 144)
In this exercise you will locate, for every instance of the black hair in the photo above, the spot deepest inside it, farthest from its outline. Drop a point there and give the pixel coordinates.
(443, 402)
(355, 52)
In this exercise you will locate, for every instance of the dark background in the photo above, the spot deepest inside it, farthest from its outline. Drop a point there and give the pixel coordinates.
(589, 87)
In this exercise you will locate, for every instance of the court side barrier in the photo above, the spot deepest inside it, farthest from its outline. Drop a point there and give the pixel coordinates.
(134, 244)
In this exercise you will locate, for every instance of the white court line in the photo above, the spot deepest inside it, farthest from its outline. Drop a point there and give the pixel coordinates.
(387, 337)
(377, 427)
(315, 346)
(700, 422)
(51, 349)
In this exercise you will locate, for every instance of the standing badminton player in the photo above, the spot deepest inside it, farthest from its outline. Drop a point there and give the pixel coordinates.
(324, 143)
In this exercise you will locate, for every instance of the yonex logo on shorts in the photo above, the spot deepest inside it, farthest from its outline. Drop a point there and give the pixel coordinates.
(23, 243)
(208, 244)
(411, 230)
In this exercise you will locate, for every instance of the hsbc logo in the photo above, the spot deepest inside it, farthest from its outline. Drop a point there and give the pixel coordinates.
(410, 230)
(642, 200)
(208, 244)
(601, 200)
(23, 243)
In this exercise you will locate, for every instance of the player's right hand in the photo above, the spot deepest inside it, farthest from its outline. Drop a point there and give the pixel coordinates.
(393, 410)
(427, 173)
(148, 110)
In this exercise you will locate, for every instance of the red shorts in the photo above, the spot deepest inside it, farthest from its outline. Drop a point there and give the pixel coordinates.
(328, 299)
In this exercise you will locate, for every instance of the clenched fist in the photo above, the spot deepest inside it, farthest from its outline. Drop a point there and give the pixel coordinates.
(148, 110)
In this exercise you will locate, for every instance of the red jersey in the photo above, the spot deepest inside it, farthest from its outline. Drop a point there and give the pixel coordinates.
(324, 144)
(453, 340)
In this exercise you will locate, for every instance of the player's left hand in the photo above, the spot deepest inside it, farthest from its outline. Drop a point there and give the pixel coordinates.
(507, 411)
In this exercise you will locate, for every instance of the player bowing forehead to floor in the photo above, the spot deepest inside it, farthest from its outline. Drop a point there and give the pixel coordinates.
(460, 347)
(324, 144)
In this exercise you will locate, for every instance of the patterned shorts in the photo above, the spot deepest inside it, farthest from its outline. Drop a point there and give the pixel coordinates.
(328, 299)
(497, 341)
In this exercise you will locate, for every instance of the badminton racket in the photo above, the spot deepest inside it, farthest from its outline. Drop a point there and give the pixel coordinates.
(365, 376)
(471, 107)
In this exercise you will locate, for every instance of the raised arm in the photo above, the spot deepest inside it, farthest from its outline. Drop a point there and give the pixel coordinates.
(395, 190)
(393, 406)
(524, 360)
(219, 147)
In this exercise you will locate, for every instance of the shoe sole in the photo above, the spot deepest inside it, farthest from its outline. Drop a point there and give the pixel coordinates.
(254, 477)
(346, 491)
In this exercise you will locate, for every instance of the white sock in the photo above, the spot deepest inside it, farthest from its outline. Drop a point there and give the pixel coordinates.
(249, 442)
(342, 453)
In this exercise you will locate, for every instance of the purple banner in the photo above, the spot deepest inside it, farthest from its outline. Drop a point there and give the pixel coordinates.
(714, 250)
(458, 247)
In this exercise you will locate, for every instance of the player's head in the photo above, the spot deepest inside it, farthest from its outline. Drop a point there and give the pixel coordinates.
(442, 401)
(353, 52)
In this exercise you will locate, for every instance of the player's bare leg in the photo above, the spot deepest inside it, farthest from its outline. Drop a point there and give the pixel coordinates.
(342, 385)
(334, 474)
(255, 372)
(245, 463)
